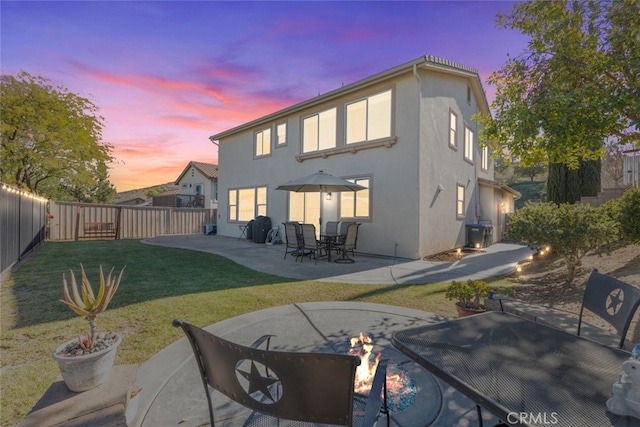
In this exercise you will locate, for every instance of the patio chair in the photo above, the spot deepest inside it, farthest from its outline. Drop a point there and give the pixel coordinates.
(281, 385)
(310, 244)
(331, 228)
(612, 300)
(348, 244)
(293, 239)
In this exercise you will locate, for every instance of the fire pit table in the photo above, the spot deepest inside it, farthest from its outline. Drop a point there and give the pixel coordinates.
(173, 389)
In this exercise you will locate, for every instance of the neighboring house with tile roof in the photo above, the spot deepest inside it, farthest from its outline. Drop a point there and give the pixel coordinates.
(197, 187)
(406, 134)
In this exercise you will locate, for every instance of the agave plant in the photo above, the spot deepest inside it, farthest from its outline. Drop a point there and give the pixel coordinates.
(86, 303)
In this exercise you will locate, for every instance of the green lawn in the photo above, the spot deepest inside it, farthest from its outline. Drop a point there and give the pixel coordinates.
(159, 284)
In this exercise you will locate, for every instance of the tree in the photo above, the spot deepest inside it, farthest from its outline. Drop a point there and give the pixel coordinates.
(50, 141)
(531, 171)
(575, 85)
(567, 185)
(572, 231)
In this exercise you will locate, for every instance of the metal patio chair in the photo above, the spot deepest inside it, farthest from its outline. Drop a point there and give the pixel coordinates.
(310, 244)
(348, 244)
(280, 386)
(612, 300)
(293, 239)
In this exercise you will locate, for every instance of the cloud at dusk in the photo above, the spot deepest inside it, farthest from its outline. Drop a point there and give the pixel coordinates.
(167, 75)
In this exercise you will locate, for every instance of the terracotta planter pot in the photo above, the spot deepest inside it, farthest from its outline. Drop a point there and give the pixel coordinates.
(463, 312)
(82, 373)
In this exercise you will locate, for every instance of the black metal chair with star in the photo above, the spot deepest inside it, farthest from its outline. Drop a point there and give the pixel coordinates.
(612, 300)
(285, 388)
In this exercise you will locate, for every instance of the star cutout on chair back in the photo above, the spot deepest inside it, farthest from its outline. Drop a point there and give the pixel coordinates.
(615, 299)
(259, 382)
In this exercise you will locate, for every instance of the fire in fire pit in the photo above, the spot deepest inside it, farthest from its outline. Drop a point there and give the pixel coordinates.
(401, 389)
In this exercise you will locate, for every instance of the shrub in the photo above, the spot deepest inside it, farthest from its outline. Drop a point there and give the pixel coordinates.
(572, 231)
(467, 293)
(630, 214)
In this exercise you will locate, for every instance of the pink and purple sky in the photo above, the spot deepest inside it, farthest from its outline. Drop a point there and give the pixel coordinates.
(169, 74)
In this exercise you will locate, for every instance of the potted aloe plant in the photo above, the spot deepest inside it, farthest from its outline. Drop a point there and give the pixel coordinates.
(87, 361)
(468, 295)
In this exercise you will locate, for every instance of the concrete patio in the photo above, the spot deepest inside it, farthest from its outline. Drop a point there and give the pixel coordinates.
(173, 394)
(494, 261)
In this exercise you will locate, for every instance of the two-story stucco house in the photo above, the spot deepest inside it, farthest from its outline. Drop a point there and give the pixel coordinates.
(198, 185)
(406, 134)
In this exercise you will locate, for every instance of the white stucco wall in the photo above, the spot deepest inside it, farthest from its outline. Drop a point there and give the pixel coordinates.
(194, 177)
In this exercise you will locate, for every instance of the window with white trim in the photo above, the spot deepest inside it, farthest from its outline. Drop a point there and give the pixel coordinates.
(484, 159)
(263, 143)
(247, 203)
(356, 204)
(460, 202)
(453, 129)
(369, 119)
(319, 131)
(281, 134)
(468, 143)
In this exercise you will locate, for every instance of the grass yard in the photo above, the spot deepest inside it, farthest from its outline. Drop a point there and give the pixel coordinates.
(159, 284)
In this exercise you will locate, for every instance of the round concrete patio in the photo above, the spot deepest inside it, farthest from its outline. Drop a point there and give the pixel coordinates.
(173, 394)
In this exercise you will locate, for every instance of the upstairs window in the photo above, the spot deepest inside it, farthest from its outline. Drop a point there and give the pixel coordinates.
(369, 118)
(468, 143)
(484, 160)
(263, 143)
(453, 128)
(281, 134)
(319, 131)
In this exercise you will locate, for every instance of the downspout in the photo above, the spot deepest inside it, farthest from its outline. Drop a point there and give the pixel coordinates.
(419, 171)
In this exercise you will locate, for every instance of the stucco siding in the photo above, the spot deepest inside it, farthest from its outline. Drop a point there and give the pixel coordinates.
(443, 168)
(414, 174)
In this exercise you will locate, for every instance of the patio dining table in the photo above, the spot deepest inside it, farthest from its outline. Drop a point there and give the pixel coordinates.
(329, 240)
(523, 372)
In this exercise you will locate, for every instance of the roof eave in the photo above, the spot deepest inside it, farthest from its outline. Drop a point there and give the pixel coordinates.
(426, 61)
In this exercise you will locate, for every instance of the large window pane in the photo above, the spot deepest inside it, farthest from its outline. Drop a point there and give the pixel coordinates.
(379, 120)
(247, 205)
(233, 205)
(369, 118)
(357, 122)
(261, 201)
(296, 207)
(327, 130)
(310, 137)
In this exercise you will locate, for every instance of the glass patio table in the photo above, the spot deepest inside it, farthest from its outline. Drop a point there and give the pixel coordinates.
(523, 372)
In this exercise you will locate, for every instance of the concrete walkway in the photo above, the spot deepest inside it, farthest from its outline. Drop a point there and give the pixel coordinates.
(495, 261)
(172, 389)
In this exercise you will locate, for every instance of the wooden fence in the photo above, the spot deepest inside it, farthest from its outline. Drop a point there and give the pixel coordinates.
(73, 221)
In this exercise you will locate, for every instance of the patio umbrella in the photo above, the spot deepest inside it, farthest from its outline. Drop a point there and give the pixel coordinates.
(320, 182)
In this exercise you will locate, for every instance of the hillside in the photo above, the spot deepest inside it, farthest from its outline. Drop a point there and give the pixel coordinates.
(534, 191)
(142, 192)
